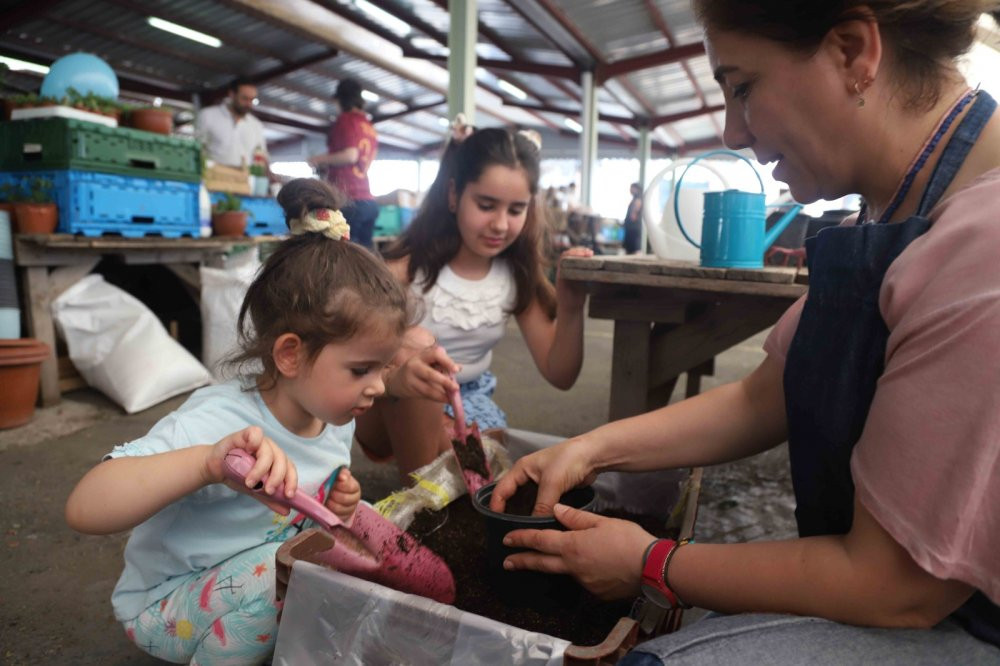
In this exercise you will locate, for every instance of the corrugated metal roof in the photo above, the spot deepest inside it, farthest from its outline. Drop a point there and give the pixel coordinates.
(539, 46)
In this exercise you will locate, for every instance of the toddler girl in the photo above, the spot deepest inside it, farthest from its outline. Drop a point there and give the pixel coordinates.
(318, 327)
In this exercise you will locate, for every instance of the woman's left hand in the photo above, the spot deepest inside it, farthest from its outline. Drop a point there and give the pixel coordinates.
(604, 554)
(571, 293)
(344, 496)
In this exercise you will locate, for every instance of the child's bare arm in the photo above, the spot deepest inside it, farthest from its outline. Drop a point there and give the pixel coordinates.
(120, 493)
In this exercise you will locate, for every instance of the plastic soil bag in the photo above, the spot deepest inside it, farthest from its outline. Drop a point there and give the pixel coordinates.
(222, 293)
(120, 347)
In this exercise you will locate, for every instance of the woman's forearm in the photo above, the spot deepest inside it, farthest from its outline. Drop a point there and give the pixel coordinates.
(120, 493)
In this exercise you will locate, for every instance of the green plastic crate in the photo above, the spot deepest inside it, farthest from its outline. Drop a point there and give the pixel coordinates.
(392, 220)
(67, 143)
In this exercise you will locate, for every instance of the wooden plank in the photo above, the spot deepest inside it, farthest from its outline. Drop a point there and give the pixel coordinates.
(777, 274)
(723, 286)
(41, 327)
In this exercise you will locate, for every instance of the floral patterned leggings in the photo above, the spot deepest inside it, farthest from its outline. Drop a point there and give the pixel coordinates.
(224, 615)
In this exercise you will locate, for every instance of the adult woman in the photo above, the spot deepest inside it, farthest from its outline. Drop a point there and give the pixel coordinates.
(351, 147)
(882, 378)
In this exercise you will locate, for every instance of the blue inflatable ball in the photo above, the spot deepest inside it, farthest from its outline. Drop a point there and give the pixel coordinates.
(84, 72)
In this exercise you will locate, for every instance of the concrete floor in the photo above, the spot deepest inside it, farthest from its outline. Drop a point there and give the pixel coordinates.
(54, 596)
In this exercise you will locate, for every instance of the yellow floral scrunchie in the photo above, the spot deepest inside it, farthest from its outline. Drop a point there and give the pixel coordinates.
(326, 221)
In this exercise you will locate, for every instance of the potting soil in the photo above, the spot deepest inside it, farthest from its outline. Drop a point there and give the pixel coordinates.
(458, 534)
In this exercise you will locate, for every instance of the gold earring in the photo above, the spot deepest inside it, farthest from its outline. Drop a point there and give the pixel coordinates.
(857, 91)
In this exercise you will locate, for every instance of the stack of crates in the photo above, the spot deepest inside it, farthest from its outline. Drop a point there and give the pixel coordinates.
(106, 180)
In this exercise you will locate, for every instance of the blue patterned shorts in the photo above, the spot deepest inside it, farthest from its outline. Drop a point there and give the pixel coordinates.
(477, 399)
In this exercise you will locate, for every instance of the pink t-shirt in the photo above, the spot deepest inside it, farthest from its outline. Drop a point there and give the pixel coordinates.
(927, 465)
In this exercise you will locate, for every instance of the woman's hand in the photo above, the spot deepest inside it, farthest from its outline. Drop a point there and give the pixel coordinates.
(271, 463)
(555, 469)
(344, 496)
(604, 554)
(571, 294)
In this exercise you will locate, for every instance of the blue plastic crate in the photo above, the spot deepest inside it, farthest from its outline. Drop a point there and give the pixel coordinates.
(93, 203)
(267, 218)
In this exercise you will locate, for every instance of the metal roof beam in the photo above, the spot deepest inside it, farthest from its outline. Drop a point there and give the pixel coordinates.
(667, 57)
(27, 11)
(684, 115)
(514, 65)
(575, 113)
(408, 111)
(289, 67)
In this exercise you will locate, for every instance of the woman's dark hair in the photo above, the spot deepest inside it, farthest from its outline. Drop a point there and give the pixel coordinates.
(923, 37)
(321, 289)
(348, 94)
(433, 239)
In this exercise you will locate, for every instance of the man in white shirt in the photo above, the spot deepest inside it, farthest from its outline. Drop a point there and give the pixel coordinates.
(228, 131)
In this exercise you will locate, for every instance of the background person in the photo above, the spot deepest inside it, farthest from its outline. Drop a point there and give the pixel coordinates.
(882, 378)
(351, 147)
(230, 134)
(633, 221)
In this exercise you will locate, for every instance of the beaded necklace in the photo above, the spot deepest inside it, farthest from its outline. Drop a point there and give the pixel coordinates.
(904, 186)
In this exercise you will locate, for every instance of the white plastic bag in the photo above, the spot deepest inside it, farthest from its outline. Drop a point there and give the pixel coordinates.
(222, 292)
(333, 618)
(120, 348)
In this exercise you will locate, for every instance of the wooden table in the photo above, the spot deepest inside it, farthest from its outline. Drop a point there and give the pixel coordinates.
(50, 263)
(673, 317)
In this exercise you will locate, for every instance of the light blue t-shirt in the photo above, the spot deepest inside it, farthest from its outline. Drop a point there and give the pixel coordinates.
(214, 523)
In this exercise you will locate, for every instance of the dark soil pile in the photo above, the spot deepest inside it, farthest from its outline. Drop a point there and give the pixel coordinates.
(458, 534)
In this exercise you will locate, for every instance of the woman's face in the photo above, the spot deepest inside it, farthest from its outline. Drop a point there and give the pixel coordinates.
(492, 211)
(786, 107)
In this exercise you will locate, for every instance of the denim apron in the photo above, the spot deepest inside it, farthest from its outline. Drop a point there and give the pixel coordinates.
(838, 354)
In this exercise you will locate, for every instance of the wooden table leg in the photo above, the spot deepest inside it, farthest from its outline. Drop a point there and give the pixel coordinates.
(629, 369)
(41, 327)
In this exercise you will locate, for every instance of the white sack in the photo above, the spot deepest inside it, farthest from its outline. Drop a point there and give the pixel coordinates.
(222, 292)
(120, 348)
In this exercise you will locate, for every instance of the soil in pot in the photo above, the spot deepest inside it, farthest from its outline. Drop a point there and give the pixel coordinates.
(230, 223)
(458, 534)
(34, 218)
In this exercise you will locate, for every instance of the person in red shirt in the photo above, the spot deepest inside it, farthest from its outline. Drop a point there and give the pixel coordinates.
(351, 147)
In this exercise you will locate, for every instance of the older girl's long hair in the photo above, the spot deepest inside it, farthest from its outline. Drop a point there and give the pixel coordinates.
(433, 239)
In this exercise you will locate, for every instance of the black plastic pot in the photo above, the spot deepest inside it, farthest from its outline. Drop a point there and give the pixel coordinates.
(527, 588)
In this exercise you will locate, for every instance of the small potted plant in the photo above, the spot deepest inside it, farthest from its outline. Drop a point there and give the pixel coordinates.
(34, 209)
(228, 216)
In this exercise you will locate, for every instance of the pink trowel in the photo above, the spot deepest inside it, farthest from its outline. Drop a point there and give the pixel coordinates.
(467, 445)
(372, 547)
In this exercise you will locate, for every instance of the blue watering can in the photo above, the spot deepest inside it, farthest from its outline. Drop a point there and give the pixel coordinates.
(733, 231)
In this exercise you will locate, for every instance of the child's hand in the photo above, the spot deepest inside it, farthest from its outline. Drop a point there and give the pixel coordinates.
(344, 496)
(572, 294)
(421, 369)
(271, 462)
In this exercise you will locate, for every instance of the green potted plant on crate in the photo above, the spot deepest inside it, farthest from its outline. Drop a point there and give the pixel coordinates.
(228, 216)
(34, 209)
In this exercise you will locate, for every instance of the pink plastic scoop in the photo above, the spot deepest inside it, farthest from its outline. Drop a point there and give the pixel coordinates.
(467, 444)
(371, 547)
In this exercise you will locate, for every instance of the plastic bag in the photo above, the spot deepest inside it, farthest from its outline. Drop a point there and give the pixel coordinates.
(333, 618)
(120, 347)
(222, 292)
(438, 483)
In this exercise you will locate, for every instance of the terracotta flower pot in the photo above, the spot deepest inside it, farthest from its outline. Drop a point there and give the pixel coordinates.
(20, 367)
(160, 121)
(33, 218)
(230, 223)
(9, 207)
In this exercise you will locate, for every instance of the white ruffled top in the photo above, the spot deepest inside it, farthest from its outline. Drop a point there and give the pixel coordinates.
(468, 317)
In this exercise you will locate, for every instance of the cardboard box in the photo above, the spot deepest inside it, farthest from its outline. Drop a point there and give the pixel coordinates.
(221, 178)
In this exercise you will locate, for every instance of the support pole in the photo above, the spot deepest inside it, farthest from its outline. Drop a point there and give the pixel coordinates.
(462, 33)
(588, 139)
